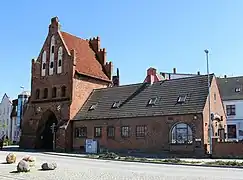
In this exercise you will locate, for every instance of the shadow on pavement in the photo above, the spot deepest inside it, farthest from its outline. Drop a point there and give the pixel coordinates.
(14, 172)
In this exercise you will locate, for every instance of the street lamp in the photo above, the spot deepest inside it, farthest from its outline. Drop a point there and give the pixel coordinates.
(209, 107)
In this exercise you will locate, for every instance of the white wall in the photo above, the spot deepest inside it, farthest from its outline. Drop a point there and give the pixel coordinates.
(5, 111)
(236, 119)
(177, 76)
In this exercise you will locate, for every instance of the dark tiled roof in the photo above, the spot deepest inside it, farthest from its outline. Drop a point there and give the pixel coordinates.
(87, 63)
(135, 97)
(227, 87)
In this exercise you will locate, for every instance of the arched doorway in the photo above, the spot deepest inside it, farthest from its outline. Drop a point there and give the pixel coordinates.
(45, 135)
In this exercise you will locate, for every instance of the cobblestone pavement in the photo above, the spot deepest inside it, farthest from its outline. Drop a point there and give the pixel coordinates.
(90, 169)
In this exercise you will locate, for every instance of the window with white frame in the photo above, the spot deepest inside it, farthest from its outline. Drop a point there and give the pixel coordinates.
(181, 133)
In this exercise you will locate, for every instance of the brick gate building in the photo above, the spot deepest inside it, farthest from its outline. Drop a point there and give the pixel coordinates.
(63, 76)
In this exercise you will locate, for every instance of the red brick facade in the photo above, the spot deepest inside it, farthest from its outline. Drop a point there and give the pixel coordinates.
(84, 68)
(158, 130)
(157, 138)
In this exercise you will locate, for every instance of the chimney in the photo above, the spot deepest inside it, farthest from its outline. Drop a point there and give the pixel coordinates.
(151, 79)
(174, 70)
(225, 76)
(198, 72)
(151, 71)
(116, 79)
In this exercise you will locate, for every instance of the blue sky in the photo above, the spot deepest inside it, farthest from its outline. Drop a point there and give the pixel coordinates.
(136, 33)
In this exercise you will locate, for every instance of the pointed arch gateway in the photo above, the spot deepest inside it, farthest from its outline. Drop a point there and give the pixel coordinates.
(44, 133)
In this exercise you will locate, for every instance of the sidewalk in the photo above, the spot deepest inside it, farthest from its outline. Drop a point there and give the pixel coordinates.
(83, 155)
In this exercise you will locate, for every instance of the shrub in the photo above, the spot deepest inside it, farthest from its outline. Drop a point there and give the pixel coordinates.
(109, 155)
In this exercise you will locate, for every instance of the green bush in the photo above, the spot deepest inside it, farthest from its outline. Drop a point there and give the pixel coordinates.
(225, 163)
(109, 155)
(7, 142)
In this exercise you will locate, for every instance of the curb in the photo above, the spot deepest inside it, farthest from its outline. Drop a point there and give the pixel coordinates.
(146, 162)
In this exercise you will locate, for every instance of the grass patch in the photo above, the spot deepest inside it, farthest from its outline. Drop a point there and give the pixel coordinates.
(114, 156)
(226, 163)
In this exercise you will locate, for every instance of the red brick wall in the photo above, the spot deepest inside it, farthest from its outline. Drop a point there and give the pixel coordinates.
(227, 149)
(77, 91)
(157, 134)
(216, 107)
(82, 87)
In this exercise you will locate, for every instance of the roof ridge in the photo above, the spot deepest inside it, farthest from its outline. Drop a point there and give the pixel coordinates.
(118, 87)
(73, 35)
(232, 77)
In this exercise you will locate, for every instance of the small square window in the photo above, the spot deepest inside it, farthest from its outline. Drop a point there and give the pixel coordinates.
(110, 132)
(97, 132)
(116, 104)
(125, 131)
(152, 101)
(140, 131)
(181, 99)
(92, 107)
(237, 89)
(81, 132)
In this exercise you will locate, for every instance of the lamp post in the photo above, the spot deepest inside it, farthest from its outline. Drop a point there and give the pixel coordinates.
(209, 107)
(53, 127)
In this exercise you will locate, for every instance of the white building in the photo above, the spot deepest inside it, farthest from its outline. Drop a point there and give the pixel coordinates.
(5, 120)
(231, 90)
(14, 128)
(154, 76)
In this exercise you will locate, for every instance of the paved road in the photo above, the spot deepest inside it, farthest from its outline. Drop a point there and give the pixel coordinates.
(88, 169)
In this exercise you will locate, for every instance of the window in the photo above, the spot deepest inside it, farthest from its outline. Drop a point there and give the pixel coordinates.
(214, 97)
(52, 49)
(231, 131)
(45, 95)
(152, 101)
(140, 131)
(116, 104)
(110, 132)
(51, 65)
(81, 132)
(63, 91)
(54, 92)
(181, 134)
(97, 132)
(125, 132)
(92, 107)
(181, 99)
(37, 94)
(44, 66)
(59, 63)
(237, 89)
(230, 109)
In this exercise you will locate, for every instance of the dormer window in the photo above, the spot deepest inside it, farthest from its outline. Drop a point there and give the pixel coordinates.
(152, 101)
(116, 104)
(181, 99)
(93, 106)
(237, 89)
